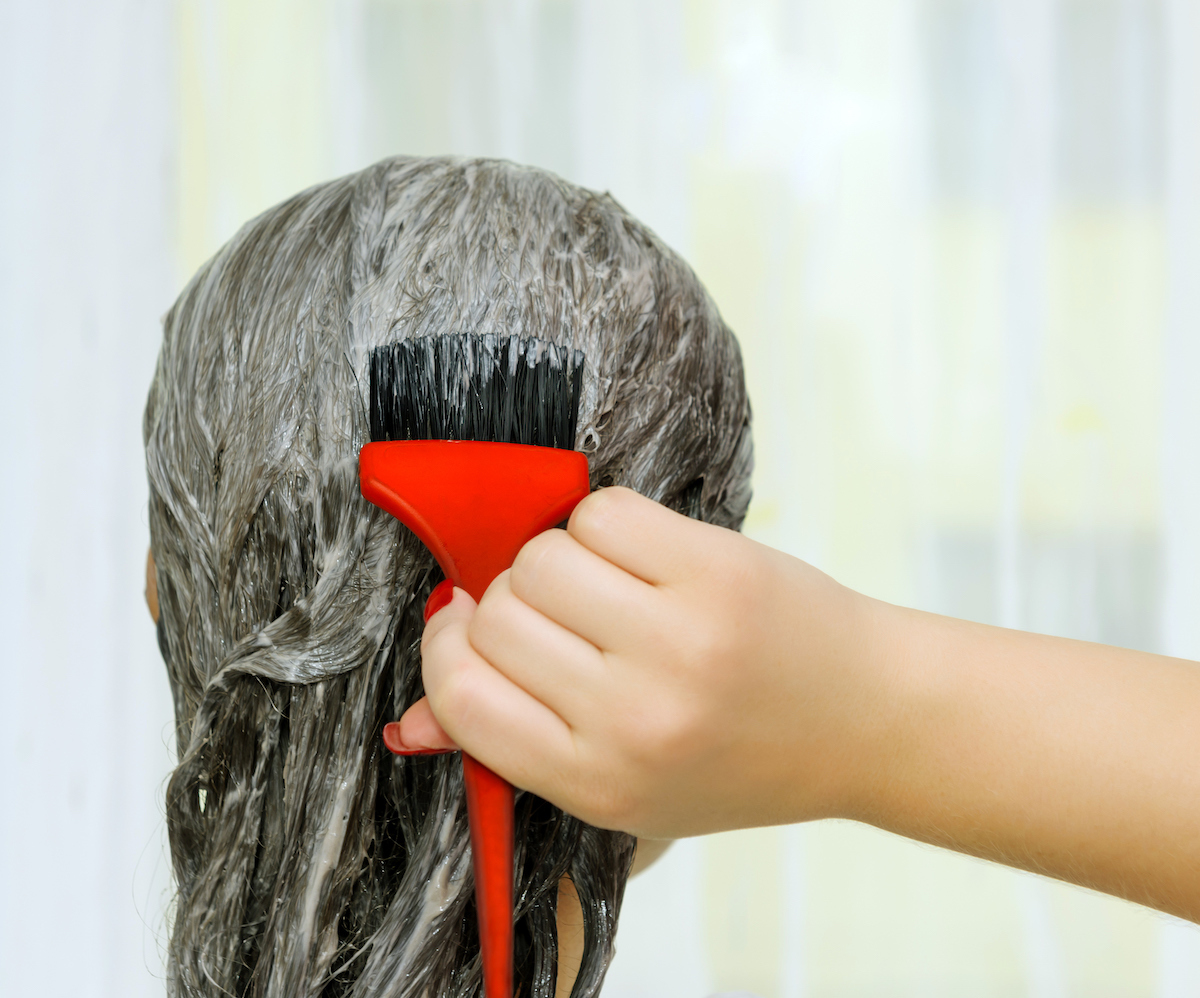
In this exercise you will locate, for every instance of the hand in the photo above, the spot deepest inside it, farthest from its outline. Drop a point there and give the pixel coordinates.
(665, 677)
(648, 672)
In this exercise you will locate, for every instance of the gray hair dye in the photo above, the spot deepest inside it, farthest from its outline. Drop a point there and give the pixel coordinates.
(309, 861)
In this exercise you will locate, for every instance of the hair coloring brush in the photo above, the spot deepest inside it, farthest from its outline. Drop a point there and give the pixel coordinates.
(471, 441)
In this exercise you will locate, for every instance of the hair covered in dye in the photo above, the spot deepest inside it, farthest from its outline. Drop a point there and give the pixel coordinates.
(307, 859)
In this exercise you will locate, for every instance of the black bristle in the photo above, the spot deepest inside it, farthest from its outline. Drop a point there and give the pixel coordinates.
(459, 387)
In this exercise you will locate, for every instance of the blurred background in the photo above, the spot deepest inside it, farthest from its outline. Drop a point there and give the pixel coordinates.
(958, 239)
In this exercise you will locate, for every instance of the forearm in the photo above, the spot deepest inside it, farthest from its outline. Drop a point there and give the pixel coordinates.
(1075, 760)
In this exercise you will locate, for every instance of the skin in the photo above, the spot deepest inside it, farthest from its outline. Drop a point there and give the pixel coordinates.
(651, 673)
(569, 912)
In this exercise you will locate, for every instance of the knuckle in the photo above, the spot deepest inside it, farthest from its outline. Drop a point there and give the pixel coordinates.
(493, 628)
(433, 644)
(702, 640)
(533, 560)
(662, 738)
(596, 512)
(673, 736)
(612, 803)
(486, 618)
(450, 685)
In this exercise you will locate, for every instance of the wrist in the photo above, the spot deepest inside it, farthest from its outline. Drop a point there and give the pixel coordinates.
(897, 686)
(934, 714)
(849, 696)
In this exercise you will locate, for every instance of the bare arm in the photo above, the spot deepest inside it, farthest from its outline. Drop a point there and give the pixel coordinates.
(1071, 759)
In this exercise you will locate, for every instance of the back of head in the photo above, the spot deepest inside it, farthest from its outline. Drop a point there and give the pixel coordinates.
(308, 860)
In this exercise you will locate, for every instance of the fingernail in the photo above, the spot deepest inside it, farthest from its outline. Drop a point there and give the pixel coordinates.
(442, 594)
(395, 745)
(424, 751)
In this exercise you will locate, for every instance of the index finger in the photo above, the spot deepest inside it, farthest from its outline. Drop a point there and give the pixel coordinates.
(641, 536)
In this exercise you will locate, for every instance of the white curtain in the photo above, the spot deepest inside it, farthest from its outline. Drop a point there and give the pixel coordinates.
(958, 240)
(87, 173)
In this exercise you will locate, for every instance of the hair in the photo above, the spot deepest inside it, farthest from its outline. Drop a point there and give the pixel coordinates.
(307, 859)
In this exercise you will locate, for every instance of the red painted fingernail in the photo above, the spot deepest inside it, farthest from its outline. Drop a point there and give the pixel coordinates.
(442, 594)
(391, 739)
(424, 751)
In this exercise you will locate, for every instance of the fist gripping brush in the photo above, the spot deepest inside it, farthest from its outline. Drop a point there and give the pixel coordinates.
(470, 449)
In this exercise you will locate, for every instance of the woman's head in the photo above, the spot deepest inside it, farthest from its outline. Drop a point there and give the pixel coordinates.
(308, 860)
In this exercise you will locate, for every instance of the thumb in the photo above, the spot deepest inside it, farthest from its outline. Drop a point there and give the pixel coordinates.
(418, 731)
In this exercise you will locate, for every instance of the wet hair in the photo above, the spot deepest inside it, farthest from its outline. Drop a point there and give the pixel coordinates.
(307, 859)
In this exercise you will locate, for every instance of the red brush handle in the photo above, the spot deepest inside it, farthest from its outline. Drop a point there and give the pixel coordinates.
(474, 504)
(490, 812)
